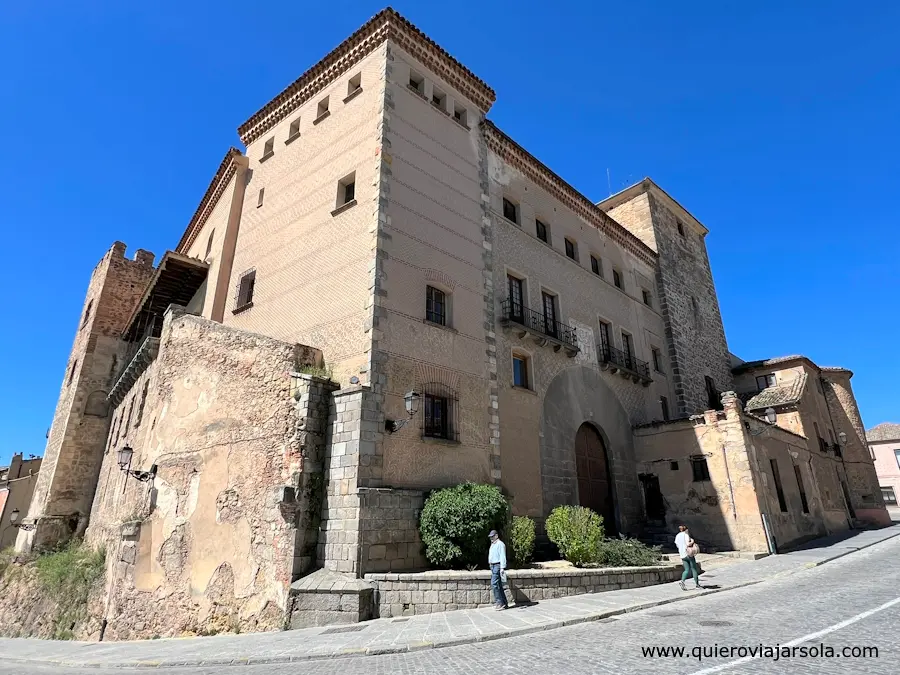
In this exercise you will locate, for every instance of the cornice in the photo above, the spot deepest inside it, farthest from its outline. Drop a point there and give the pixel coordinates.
(217, 186)
(386, 25)
(504, 146)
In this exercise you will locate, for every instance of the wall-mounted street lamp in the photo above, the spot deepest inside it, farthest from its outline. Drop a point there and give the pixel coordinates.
(14, 521)
(411, 399)
(124, 458)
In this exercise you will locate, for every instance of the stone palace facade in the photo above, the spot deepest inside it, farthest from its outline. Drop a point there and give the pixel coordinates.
(384, 294)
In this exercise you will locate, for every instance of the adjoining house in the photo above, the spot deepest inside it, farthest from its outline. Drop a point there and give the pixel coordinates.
(17, 483)
(884, 447)
(478, 319)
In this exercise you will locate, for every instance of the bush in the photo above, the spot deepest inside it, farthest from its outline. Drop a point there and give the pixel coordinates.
(70, 574)
(577, 533)
(521, 541)
(624, 552)
(456, 521)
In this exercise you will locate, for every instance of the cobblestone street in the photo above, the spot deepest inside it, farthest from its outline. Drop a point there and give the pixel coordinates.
(844, 603)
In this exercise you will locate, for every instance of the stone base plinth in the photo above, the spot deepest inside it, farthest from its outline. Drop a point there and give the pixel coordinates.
(324, 598)
(48, 532)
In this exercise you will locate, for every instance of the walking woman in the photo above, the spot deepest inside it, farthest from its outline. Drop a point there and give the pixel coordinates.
(687, 549)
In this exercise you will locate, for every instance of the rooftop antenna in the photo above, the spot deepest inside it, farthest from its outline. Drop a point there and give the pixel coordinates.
(608, 182)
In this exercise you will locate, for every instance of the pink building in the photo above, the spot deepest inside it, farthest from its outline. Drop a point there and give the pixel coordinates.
(884, 444)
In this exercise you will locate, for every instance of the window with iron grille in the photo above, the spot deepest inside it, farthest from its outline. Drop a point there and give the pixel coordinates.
(245, 290)
(439, 417)
(435, 305)
(549, 314)
(542, 231)
(765, 381)
(782, 504)
(510, 211)
(700, 469)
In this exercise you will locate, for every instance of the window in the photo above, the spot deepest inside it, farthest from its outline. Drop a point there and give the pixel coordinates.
(617, 278)
(416, 83)
(700, 468)
(140, 413)
(803, 501)
(245, 291)
(664, 404)
(765, 381)
(822, 445)
(673, 466)
(268, 150)
(648, 299)
(778, 489)
(604, 341)
(460, 115)
(87, 314)
(628, 348)
(438, 100)
(439, 418)
(541, 229)
(571, 251)
(260, 197)
(322, 111)
(130, 413)
(209, 243)
(346, 193)
(680, 227)
(516, 296)
(712, 394)
(897, 457)
(595, 266)
(435, 306)
(293, 131)
(549, 302)
(887, 494)
(657, 359)
(510, 211)
(72, 372)
(354, 86)
(520, 371)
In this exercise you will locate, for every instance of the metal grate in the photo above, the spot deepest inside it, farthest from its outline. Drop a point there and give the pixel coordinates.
(343, 629)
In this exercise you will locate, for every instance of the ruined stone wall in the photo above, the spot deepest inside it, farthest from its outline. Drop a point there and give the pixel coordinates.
(65, 486)
(210, 544)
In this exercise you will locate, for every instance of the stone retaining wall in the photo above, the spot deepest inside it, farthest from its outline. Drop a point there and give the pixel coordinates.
(444, 591)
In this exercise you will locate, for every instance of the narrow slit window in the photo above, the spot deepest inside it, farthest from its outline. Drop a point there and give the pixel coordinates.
(261, 197)
(782, 504)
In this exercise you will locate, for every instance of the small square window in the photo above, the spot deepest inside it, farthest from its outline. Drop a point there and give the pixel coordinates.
(268, 150)
(648, 299)
(245, 289)
(595, 266)
(355, 84)
(765, 381)
(571, 251)
(416, 83)
(439, 100)
(435, 306)
(673, 466)
(346, 193)
(542, 233)
(321, 110)
(293, 130)
(700, 469)
(520, 371)
(510, 211)
(617, 278)
(460, 115)
(260, 197)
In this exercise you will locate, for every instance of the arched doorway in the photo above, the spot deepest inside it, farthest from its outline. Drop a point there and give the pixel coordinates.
(594, 483)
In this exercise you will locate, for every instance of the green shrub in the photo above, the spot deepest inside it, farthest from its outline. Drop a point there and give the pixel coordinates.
(456, 521)
(521, 541)
(69, 574)
(7, 556)
(577, 533)
(624, 552)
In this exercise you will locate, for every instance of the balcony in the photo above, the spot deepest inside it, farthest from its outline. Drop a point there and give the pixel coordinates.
(617, 361)
(541, 330)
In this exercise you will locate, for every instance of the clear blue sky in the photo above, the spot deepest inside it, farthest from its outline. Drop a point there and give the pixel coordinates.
(775, 123)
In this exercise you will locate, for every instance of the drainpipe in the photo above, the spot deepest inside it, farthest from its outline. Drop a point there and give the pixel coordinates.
(730, 485)
(769, 540)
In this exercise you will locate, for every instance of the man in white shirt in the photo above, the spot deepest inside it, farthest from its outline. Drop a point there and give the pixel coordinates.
(497, 561)
(682, 541)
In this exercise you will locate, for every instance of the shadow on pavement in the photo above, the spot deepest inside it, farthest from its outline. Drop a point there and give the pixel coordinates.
(823, 542)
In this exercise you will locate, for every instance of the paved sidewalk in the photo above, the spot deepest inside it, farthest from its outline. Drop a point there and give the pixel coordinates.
(428, 631)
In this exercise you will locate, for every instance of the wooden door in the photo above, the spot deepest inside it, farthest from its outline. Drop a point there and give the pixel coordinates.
(594, 483)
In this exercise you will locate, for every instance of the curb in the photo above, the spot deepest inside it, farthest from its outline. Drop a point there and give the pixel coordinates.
(356, 652)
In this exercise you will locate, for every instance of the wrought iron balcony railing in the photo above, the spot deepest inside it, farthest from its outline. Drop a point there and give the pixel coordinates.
(515, 312)
(624, 360)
